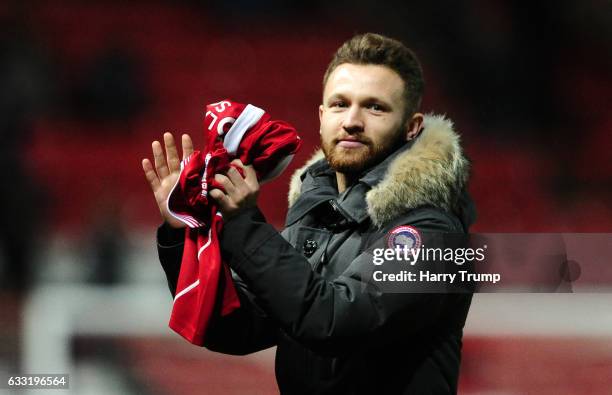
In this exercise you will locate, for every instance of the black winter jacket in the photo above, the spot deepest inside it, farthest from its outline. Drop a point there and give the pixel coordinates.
(310, 291)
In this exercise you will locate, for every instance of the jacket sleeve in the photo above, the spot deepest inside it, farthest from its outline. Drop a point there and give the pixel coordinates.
(244, 331)
(335, 316)
(170, 251)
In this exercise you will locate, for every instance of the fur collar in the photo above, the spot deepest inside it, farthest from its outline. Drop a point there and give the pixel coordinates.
(433, 172)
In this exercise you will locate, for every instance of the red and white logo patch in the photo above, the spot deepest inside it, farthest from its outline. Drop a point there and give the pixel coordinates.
(404, 235)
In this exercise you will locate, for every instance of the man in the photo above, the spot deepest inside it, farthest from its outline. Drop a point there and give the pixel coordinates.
(309, 291)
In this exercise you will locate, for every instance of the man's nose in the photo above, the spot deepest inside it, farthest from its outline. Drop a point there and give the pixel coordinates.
(353, 120)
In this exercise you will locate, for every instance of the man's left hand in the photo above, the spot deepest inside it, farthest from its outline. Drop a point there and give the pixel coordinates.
(240, 193)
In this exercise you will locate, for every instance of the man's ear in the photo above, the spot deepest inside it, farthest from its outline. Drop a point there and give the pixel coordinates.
(320, 115)
(414, 126)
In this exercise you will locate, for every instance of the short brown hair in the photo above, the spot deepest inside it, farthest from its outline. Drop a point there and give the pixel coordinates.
(376, 49)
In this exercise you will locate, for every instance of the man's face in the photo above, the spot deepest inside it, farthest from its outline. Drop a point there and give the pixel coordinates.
(362, 116)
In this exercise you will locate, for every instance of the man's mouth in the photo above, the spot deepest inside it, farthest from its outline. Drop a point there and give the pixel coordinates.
(350, 142)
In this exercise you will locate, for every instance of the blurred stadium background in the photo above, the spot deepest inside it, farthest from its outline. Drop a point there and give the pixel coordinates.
(86, 87)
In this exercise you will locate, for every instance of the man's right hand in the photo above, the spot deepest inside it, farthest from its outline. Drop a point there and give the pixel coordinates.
(163, 176)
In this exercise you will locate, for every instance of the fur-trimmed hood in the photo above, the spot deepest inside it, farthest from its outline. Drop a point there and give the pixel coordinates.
(433, 172)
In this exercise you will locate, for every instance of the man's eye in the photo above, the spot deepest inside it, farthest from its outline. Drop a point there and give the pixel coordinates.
(376, 107)
(339, 104)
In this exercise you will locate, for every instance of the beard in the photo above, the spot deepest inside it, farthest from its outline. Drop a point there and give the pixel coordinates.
(356, 160)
